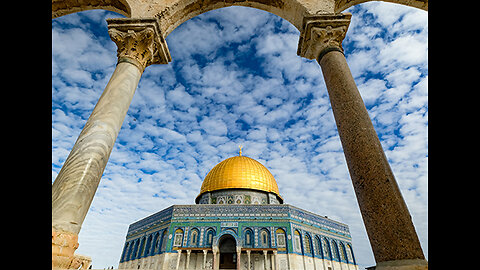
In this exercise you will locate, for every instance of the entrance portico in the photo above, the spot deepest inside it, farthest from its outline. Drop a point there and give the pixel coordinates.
(228, 252)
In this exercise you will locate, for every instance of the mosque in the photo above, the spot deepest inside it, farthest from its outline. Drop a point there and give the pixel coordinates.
(239, 221)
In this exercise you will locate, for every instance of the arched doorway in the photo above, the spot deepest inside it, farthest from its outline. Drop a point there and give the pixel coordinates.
(228, 256)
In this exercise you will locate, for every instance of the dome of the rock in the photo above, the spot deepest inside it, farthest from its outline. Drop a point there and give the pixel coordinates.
(240, 172)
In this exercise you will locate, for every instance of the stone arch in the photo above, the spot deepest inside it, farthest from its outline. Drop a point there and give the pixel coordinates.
(64, 7)
(173, 13)
(341, 5)
(183, 10)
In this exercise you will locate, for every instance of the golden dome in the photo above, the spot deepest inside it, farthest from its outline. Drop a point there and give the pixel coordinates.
(239, 172)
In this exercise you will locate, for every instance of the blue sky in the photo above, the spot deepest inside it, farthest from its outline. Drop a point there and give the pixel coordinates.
(235, 79)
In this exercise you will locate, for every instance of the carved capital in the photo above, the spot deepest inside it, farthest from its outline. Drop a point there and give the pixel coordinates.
(139, 41)
(322, 33)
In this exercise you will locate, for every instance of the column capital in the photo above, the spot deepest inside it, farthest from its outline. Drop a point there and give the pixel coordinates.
(322, 33)
(139, 41)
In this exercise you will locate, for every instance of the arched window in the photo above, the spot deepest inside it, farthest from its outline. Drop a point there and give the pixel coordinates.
(343, 255)
(326, 249)
(335, 251)
(194, 238)
(308, 244)
(318, 246)
(156, 243)
(248, 239)
(130, 249)
(125, 251)
(264, 238)
(163, 241)
(177, 241)
(142, 247)
(280, 238)
(297, 242)
(351, 258)
(147, 246)
(135, 249)
(209, 237)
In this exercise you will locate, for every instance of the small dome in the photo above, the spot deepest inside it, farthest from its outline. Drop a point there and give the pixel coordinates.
(239, 172)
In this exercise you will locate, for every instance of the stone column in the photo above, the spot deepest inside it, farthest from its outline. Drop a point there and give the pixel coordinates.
(216, 262)
(239, 253)
(385, 214)
(274, 263)
(205, 259)
(139, 44)
(179, 251)
(188, 259)
(265, 259)
(248, 259)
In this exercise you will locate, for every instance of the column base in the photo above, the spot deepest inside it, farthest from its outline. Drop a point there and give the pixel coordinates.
(416, 264)
(64, 245)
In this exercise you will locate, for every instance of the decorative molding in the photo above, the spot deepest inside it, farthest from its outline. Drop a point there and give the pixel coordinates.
(322, 33)
(139, 41)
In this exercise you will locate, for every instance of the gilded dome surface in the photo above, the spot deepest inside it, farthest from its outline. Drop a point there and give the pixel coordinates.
(239, 172)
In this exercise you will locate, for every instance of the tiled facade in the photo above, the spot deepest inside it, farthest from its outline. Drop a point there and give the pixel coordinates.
(275, 236)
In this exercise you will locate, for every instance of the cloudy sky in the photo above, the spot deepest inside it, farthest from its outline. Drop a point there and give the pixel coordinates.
(235, 79)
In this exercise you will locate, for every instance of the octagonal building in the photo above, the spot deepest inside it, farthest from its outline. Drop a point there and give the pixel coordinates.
(239, 221)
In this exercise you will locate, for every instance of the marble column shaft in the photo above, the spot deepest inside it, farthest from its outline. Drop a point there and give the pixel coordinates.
(385, 214)
(139, 44)
(77, 181)
(215, 259)
(179, 251)
(265, 259)
(239, 264)
(204, 259)
(274, 260)
(187, 266)
(239, 254)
